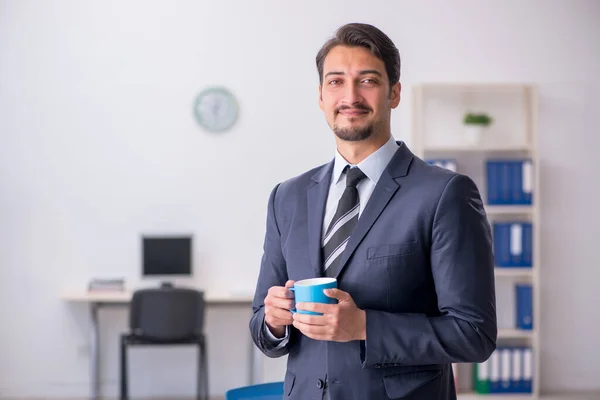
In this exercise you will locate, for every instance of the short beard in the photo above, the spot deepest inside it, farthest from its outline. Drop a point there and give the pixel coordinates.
(353, 134)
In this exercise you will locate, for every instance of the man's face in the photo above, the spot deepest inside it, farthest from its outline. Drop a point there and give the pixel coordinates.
(355, 95)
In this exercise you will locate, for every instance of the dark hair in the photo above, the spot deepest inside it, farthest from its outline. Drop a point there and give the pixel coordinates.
(369, 37)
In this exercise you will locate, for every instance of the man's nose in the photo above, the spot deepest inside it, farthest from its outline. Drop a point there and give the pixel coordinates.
(352, 95)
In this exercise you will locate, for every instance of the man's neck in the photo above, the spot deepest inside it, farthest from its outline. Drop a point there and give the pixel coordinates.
(355, 152)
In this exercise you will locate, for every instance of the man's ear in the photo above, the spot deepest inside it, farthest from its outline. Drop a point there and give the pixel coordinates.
(395, 95)
(321, 98)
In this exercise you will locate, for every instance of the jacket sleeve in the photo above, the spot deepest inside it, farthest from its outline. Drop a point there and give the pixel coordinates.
(273, 272)
(462, 266)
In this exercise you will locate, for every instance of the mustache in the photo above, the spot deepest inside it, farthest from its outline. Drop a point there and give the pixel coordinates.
(360, 107)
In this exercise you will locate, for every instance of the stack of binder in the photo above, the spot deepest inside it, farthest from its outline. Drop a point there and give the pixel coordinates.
(508, 370)
(524, 305)
(449, 164)
(513, 244)
(510, 182)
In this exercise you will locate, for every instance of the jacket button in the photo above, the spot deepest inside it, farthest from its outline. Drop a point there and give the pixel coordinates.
(320, 383)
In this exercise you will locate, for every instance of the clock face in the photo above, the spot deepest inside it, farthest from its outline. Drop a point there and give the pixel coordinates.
(216, 109)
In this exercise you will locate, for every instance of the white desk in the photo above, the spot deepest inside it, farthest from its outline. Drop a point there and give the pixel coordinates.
(96, 300)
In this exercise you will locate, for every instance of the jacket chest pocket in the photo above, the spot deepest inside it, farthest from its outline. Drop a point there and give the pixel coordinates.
(401, 268)
(385, 251)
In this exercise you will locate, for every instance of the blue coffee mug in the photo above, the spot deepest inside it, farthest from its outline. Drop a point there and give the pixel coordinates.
(311, 291)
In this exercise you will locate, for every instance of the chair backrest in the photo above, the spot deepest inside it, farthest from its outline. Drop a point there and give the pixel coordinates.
(264, 391)
(167, 313)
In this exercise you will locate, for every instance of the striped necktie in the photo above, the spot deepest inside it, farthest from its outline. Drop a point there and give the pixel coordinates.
(343, 222)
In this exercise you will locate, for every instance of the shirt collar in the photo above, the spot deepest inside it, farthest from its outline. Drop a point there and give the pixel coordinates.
(372, 166)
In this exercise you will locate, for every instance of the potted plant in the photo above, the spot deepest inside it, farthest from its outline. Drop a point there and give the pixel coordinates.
(474, 125)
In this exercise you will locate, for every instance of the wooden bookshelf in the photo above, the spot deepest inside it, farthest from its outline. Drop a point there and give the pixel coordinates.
(438, 132)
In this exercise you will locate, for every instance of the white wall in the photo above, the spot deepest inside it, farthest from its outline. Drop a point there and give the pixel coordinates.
(98, 144)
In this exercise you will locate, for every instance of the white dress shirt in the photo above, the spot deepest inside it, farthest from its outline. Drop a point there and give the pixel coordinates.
(372, 166)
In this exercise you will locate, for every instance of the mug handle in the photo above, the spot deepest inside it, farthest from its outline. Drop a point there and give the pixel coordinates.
(293, 311)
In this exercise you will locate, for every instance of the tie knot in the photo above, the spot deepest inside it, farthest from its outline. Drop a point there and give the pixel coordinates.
(353, 176)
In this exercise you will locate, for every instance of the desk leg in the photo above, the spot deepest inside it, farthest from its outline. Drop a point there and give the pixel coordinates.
(95, 359)
(252, 373)
(255, 372)
(256, 364)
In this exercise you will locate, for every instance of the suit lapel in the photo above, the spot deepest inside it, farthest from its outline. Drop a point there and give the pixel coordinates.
(317, 198)
(384, 190)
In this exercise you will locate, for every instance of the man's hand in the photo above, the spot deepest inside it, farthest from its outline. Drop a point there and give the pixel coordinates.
(340, 322)
(278, 303)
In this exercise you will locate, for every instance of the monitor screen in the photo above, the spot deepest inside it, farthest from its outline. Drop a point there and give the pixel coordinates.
(164, 255)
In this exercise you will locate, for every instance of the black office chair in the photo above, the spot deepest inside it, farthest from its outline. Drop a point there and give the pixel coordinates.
(167, 316)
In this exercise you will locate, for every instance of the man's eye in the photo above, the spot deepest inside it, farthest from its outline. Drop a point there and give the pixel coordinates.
(369, 80)
(334, 82)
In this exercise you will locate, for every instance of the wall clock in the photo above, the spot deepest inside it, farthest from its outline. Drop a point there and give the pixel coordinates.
(216, 109)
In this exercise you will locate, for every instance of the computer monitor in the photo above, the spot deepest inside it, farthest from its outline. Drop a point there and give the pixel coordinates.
(166, 256)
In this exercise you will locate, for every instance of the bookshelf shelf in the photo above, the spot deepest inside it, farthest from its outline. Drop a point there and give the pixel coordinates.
(513, 272)
(515, 334)
(509, 210)
(506, 153)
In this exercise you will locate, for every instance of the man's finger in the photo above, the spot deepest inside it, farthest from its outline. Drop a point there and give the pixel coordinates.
(337, 294)
(278, 313)
(308, 319)
(278, 302)
(310, 329)
(281, 292)
(317, 307)
(274, 321)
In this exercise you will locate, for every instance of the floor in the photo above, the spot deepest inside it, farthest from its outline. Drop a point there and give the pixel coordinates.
(583, 396)
(595, 396)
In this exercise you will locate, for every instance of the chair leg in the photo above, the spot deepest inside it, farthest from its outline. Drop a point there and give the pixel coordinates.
(202, 371)
(124, 394)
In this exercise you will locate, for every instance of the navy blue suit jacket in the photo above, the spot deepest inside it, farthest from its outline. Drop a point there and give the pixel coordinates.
(419, 262)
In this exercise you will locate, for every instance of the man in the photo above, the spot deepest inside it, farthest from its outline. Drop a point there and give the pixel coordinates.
(409, 244)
